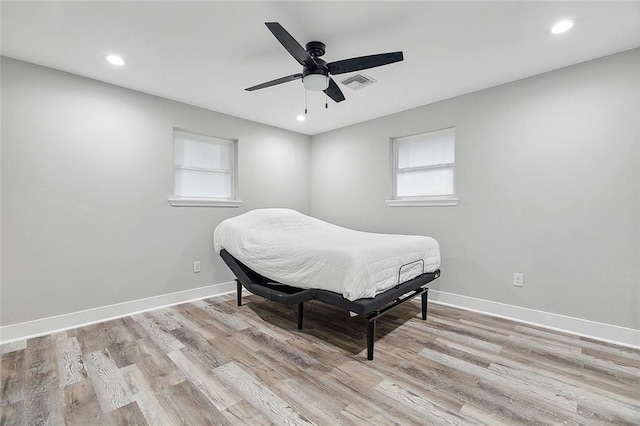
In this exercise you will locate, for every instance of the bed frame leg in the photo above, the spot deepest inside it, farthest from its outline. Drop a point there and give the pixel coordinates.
(424, 304)
(239, 292)
(300, 315)
(371, 335)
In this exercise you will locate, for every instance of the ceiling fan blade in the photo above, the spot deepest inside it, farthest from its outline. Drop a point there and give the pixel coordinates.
(274, 82)
(290, 43)
(364, 62)
(334, 92)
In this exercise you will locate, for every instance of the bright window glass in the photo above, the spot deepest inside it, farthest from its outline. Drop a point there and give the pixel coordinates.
(424, 164)
(204, 166)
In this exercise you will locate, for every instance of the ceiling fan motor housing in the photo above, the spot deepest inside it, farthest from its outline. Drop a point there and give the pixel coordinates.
(320, 68)
(315, 48)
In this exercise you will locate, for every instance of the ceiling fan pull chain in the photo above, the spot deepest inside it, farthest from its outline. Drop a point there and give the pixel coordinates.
(326, 101)
(305, 101)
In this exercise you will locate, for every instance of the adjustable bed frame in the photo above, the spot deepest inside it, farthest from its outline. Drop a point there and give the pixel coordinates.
(370, 308)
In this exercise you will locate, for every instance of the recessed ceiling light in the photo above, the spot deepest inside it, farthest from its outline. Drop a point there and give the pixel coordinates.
(115, 60)
(562, 26)
(300, 117)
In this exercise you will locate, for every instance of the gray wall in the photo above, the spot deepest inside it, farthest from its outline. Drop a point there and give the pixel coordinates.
(86, 173)
(548, 171)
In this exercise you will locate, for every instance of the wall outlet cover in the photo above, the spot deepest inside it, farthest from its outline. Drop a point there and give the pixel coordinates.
(518, 279)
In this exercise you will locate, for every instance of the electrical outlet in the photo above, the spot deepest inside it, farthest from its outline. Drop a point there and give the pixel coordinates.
(518, 279)
(196, 266)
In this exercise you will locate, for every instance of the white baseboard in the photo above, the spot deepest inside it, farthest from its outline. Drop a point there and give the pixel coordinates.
(595, 330)
(43, 326)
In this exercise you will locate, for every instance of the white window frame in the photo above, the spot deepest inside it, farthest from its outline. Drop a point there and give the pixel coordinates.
(232, 200)
(423, 200)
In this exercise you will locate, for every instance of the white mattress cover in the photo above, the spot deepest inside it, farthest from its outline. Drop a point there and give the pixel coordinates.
(301, 251)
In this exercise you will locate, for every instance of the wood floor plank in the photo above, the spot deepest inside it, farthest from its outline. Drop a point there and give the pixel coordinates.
(244, 413)
(191, 325)
(616, 357)
(451, 383)
(325, 355)
(608, 409)
(378, 402)
(273, 330)
(191, 406)
(127, 353)
(203, 321)
(483, 416)
(287, 353)
(133, 328)
(415, 383)
(164, 340)
(70, 366)
(121, 331)
(41, 381)
(551, 407)
(328, 405)
(142, 393)
(201, 348)
(429, 332)
(159, 371)
(223, 299)
(424, 406)
(13, 376)
(111, 388)
(264, 368)
(79, 404)
(235, 351)
(212, 362)
(93, 337)
(129, 415)
(13, 414)
(166, 318)
(217, 392)
(229, 319)
(274, 407)
(571, 374)
(577, 360)
(358, 413)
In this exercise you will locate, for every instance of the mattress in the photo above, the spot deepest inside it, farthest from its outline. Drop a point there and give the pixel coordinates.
(301, 251)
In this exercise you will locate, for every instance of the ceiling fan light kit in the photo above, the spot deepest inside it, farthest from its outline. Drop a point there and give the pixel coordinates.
(316, 73)
(315, 82)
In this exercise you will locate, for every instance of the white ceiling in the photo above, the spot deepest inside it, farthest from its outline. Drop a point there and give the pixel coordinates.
(206, 53)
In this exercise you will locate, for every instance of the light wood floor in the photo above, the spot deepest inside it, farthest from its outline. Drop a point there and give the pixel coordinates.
(211, 362)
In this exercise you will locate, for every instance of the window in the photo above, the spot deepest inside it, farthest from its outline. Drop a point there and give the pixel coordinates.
(423, 169)
(204, 170)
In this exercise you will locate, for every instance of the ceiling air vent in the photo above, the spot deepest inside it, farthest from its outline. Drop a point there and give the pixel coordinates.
(358, 81)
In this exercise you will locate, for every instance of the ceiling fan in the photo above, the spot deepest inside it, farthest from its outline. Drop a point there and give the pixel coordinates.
(316, 73)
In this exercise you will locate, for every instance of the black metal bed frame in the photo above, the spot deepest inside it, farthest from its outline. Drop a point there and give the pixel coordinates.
(370, 308)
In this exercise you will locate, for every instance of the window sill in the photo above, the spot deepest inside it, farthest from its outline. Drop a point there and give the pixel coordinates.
(203, 202)
(424, 202)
